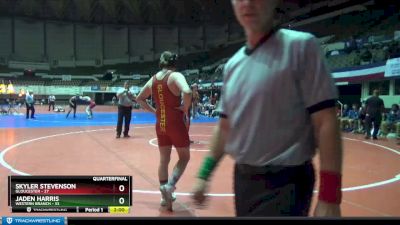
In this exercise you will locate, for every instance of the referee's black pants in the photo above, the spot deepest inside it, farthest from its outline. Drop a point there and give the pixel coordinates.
(124, 112)
(30, 107)
(368, 125)
(51, 104)
(273, 190)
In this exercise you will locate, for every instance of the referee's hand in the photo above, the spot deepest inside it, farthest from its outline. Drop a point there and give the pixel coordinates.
(199, 190)
(324, 209)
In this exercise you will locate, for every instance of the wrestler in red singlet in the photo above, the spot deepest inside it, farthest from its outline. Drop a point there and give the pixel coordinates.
(92, 104)
(170, 126)
(166, 87)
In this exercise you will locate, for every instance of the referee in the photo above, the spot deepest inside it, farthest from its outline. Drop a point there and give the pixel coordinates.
(285, 88)
(125, 103)
(52, 101)
(30, 104)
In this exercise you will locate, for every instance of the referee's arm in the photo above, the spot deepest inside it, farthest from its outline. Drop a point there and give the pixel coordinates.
(327, 136)
(218, 139)
(217, 147)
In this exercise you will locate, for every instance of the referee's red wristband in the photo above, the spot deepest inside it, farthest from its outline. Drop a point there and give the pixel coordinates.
(330, 185)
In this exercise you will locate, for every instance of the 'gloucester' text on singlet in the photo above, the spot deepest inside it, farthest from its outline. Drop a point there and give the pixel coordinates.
(163, 117)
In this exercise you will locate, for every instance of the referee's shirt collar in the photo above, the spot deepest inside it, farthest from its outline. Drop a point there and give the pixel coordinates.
(248, 51)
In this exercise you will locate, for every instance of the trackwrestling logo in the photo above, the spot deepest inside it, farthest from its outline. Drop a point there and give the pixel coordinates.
(33, 220)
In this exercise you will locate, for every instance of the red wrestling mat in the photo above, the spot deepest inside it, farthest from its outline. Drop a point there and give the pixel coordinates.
(371, 169)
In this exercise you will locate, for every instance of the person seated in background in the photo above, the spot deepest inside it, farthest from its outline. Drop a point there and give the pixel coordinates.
(205, 99)
(13, 107)
(3, 107)
(344, 118)
(353, 116)
(366, 56)
(390, 120)
(213, 103)
(7, 105)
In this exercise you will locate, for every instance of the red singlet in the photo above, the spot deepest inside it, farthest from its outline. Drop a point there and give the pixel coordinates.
(170, 126)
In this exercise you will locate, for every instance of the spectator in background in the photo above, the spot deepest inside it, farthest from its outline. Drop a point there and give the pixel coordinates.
(374, 110)
(3, 88)
(195, 100)
(20, 100)
(357, 59)
(7, 106)
(13, 109)
(394, 50)
(213, 104)
(30, 104)
(350, 45)
(3, 106)
(344, 118)
(205, 99)
(366, 56)
(379, 55)
(353, 118)
(390, 120)
(361, 118)
(213, 99)
(52, 101)
(10, 88)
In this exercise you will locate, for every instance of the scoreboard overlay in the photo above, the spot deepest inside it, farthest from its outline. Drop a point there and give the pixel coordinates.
(70, 194)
